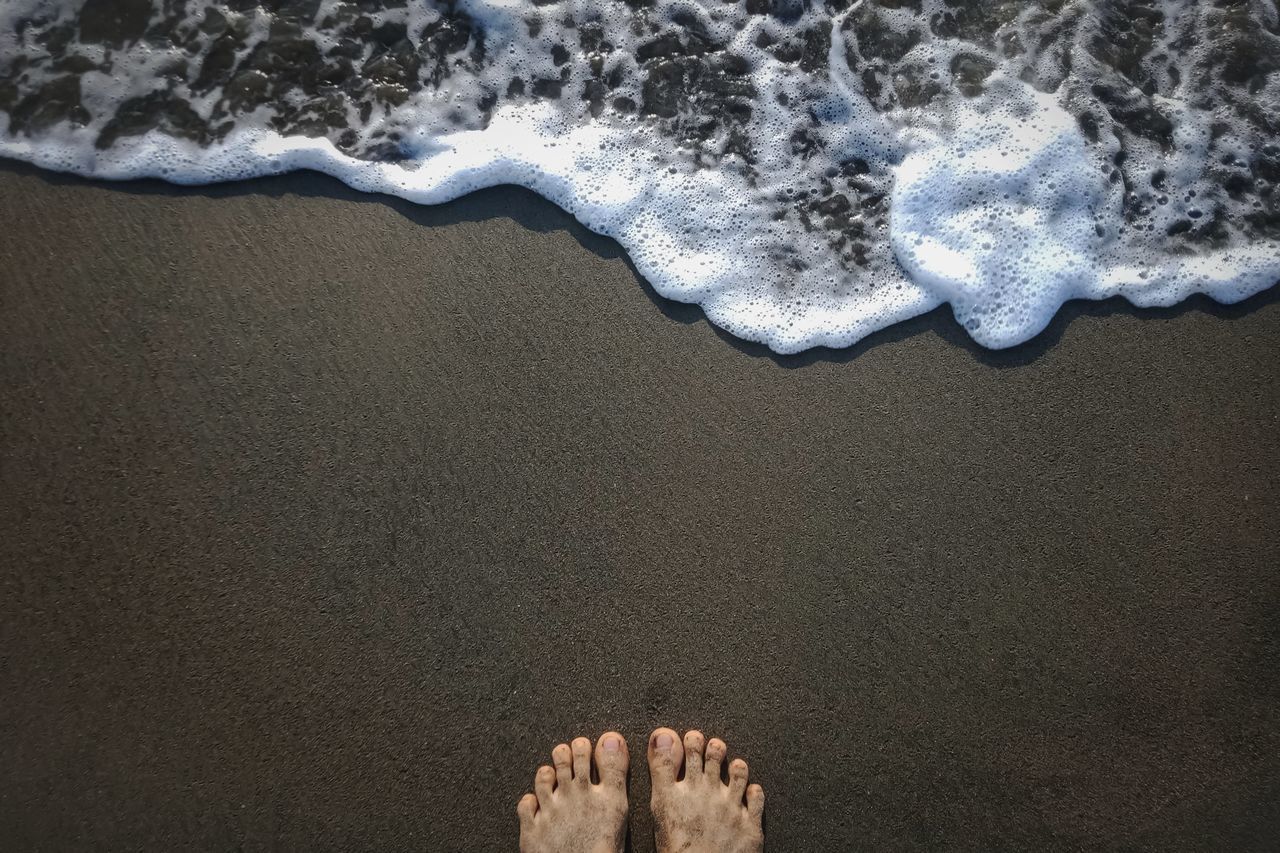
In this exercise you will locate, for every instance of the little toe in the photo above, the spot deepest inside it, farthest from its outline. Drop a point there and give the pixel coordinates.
(694, 744)
(543, 784)
(755, 803)
(715, 753)
(562, 758)
(611, 760)
(665, 757)
(526, 809)
(581, 749)
(737, 778)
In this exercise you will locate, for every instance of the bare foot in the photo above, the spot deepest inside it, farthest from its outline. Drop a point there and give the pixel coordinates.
(700, 813)
(568, 813)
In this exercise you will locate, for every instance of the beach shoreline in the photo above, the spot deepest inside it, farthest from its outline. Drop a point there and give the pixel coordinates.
(326, 516)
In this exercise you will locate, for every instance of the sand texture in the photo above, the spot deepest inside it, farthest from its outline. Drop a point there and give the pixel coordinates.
(324, 517)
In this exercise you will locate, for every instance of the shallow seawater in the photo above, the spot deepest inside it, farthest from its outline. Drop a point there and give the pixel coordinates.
(808, 172)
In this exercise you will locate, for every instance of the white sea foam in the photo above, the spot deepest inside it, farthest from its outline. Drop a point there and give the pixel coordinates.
(999, 216)
(784, 196)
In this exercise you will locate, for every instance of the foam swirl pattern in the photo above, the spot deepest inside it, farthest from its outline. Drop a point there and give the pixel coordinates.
(807, 172)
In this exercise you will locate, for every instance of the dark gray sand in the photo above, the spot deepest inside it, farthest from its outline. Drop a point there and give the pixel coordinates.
(324, 517)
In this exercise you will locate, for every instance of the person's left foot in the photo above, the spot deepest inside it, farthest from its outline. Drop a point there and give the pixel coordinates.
(568, 813)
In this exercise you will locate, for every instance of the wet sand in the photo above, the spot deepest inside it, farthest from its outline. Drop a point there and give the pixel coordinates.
(324, 517)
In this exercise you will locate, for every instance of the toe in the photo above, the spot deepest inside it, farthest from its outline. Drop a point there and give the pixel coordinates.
(526, 809)
(665, 757)
(611, 760)
(694, 743)
(562, 758)
(755, 803)
(737, 778)
(543, 784)
(581, 748)
(715, 756)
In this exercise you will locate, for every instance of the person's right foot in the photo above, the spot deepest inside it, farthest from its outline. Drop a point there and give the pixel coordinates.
(700, 813)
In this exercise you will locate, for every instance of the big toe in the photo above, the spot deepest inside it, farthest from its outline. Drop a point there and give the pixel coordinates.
(611, 760)
(666, 754)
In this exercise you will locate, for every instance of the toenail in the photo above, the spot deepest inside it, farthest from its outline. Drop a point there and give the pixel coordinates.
(664, 742)
(611, 744)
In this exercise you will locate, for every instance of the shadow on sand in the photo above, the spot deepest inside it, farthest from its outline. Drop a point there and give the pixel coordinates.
(537, 214)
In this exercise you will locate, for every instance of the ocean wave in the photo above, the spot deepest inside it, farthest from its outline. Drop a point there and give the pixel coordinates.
(806, 172)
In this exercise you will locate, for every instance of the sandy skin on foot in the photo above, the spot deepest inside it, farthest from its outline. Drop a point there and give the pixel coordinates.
(695, 810)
